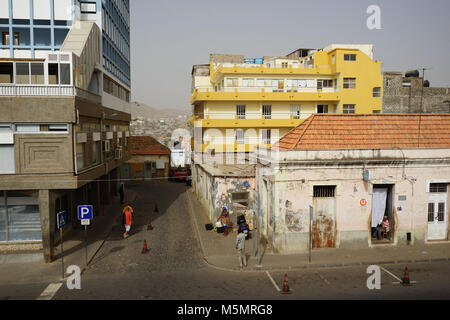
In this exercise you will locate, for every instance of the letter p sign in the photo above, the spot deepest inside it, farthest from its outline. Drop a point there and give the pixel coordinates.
(85, 212)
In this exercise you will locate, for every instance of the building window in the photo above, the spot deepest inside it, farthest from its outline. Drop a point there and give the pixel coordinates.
(5, 38)
(376, 111)
(248, 82)
(265, 133)
(267, 111)
(19, 217)
(438, 187)
(376, 92)
(333, 59)
(324, 84)
(6, 149)
(6, 72)
(240, 136)
(88, 7)
(232, 82)
(240, 111)
(295, 111)
(80, 155)
(349, 108)
(349, 57)
(324, 191)
(322, 108)
(284, 65)
(96, 152)
(349, 83)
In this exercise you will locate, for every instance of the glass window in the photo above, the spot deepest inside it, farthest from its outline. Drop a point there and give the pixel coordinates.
(65, 73)
(80, 155)
(53, 74)
(295, 111)
(248, 82)
(349, 83)
(22, 73)
(438, 187)
(376, 92)
(23, 218)
(37, 73)
(6, 73)
(321, 108)
(349, 57)
(349, 108)
(2, 217)
(240, 136)
(267, 111)
(240, 111)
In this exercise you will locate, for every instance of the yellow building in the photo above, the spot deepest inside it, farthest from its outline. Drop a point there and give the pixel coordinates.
(239, 103)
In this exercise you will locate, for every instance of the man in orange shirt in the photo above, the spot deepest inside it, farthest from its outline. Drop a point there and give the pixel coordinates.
(127, 220)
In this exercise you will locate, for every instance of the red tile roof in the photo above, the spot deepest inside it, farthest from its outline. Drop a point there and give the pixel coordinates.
(147, 145)
(369, 131)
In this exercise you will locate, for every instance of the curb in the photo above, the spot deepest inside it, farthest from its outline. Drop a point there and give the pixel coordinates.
(299, 267)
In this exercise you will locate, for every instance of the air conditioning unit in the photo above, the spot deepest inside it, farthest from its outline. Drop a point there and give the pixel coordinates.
(118, 154)
(106, 145)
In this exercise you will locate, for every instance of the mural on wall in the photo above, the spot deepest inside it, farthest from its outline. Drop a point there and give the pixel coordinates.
(221, 190)
(295, 220)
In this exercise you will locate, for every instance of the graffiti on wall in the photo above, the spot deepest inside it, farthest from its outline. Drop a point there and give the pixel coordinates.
(295, 220)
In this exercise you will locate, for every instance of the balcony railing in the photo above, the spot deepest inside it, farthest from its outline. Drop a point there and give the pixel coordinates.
(47, 90)
(266, 89)
(253, 116)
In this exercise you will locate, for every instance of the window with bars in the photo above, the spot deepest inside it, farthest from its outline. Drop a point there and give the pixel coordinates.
(438, 187)
(240, 136)
(324, 191)
(441, 209)
(267, 111)
(240, 111)
(430, 212)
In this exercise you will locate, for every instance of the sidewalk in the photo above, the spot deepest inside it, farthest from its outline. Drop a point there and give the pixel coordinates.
(219, 251)
(29, 266)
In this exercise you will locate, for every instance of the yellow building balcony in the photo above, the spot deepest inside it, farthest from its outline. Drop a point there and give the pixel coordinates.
(262, 70)
(262, 122)
(227, 148)
(262, 95)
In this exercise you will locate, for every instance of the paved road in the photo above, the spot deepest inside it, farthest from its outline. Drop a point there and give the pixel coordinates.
(174, 268)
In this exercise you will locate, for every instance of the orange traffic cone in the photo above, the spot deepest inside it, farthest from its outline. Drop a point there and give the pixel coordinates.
(149, 226)
(286, 285)
(405, 279)
(144, 247)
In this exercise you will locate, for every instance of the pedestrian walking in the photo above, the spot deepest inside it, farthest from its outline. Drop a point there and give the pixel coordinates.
(240, 247)
(127, 220)
(122, 193)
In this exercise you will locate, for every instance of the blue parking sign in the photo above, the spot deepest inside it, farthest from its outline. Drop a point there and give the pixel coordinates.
(85, 212)
(61, 219)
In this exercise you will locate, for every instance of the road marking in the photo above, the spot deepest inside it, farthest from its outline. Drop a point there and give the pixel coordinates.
(325, 280)
(50, 291)
(395, 277)
(271, 279)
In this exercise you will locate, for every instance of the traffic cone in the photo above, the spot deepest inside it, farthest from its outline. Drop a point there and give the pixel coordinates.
(156, 208)
(286, 285)
(144, 247)
(405, 280)
(149, 226)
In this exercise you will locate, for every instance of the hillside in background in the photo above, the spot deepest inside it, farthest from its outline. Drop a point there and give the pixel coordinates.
(142, 110)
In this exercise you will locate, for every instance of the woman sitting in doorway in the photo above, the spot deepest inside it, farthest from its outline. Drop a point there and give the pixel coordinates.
(384, 228)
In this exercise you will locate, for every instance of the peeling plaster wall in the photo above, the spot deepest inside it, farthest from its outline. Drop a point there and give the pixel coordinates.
(215, 192)
(292, 193)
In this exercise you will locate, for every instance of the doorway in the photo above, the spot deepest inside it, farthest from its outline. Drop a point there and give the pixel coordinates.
(381, 210)
(437, 212)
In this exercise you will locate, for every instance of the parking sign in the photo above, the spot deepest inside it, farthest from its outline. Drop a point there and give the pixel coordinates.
(85, 212)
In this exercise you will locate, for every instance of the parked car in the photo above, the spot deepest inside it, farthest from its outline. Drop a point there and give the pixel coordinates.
(180, 174)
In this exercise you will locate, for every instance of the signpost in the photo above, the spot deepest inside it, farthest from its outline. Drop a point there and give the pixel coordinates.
(85, 214)
(311, 217)
(61, 220)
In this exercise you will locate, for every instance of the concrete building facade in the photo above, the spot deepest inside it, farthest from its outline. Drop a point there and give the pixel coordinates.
(407, 94)
(64, 129)
(330, 181)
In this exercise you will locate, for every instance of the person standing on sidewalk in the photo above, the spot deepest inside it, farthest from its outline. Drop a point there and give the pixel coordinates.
(127, 220)
(240, 247)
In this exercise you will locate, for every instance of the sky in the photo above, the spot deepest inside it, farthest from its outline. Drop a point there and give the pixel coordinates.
(168, 37)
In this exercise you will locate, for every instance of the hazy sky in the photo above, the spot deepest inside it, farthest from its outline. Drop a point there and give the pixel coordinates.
(169, 36)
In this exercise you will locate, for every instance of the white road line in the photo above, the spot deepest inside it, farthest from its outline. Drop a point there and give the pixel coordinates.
(393, 275)
(271, 279)
(325, 280)
(50, 291)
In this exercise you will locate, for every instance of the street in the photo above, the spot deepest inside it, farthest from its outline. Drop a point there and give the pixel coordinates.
(175, 270)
